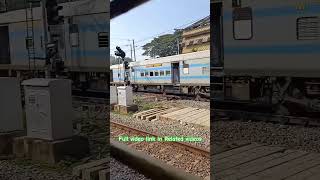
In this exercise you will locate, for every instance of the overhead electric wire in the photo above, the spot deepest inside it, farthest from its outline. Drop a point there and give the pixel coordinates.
(163, 33)
(159, 34)
(138, 47)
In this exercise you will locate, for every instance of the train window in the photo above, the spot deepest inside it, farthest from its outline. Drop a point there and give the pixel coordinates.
(146, 73)
(308, 28)
(3, 6)
(168, 73)
(103, 39)
(185, 68)
(156, 73)
(29, 43)
(142, 74)
(242, 23)
(205, 71)
(74, 35)
(151, 73)
(236, 3)
(161, 73)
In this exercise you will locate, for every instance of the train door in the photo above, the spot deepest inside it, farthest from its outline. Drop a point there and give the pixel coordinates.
(4, 47)
(111, 75)
(216, 34)
(133, 74)
(175, 73)
(217, 60)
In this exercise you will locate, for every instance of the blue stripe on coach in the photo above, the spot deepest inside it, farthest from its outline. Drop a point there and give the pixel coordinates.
(276, 49)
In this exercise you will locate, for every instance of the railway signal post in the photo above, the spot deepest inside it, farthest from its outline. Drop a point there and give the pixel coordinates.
(125, 93)
(52, 23)
(120, 53)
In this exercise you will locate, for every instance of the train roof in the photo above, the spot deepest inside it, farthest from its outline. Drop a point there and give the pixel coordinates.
(12, 5)
(73, 8)
(180, 57)
(119, 7)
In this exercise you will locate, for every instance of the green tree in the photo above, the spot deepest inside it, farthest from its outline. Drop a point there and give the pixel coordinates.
(162, 46)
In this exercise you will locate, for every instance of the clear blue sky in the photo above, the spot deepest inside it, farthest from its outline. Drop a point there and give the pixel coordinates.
(154, 18)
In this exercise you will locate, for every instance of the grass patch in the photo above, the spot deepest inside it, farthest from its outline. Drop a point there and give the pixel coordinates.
(147, 106)
(144, 106)
(130, 114)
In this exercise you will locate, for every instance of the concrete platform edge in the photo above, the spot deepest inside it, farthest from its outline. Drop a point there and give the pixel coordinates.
(153, 168)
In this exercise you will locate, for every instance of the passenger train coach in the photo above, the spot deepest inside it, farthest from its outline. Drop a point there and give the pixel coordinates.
(184, 73)
(84, 41)
(266, 56)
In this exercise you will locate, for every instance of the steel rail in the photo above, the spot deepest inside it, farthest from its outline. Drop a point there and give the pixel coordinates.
(186, 146)
(216, 113)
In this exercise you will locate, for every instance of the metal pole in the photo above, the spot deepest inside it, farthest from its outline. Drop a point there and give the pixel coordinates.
(27, 24)
(178, 45)
(131, 50)
(124, 74)
(119, 70)
(134, 50)
(45, 34)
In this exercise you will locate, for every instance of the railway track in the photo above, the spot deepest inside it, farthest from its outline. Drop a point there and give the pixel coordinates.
(93, 107)
(223, 114)
(91, 96)
(91, 100)
(161, 96)
(104, 95)
(192, 159)
(90, 93)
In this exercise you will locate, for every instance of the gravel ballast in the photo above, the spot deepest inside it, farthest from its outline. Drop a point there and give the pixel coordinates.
(11, 170)
(166, 128)
(163, 127)
(188, 103)
(119, 171)
(288, 136)
(159, 100)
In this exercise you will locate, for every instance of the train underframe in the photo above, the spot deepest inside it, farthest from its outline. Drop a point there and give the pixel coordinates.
(292, 96)
(80, 80)
(185, 89)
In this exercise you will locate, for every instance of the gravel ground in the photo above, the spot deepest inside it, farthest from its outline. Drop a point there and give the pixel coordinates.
(14, 170)
(187, 103)
(119, 171)
(166, 128)
(93, 125)
(289, 136)
(157, 99)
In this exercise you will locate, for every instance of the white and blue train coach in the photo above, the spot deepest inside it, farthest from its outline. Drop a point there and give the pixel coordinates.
(185, 73)
(266, 53)
(84, 40)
